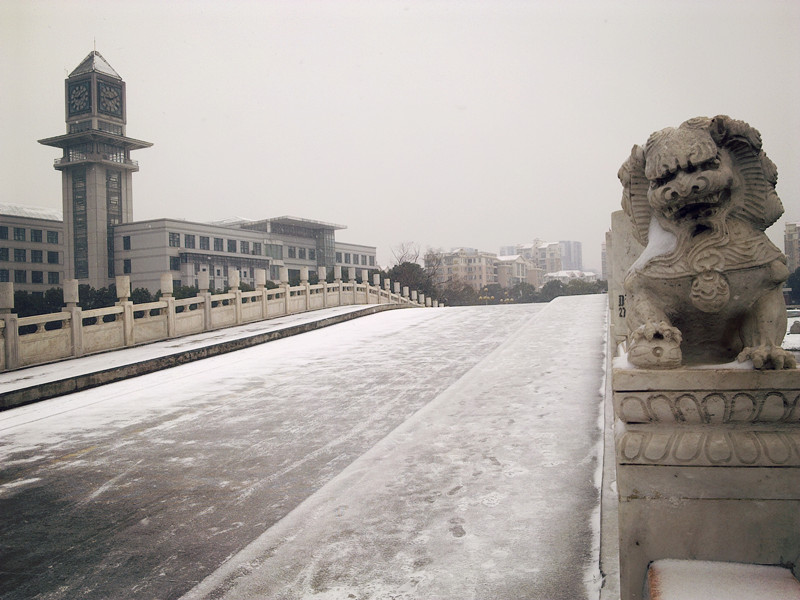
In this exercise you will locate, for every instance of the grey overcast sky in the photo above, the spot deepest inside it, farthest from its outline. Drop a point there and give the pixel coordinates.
(441, 123)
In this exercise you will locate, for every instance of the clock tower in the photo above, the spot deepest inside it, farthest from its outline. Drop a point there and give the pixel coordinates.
(96, 169)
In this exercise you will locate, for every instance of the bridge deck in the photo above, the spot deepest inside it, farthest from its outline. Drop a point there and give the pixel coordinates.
(449, 453)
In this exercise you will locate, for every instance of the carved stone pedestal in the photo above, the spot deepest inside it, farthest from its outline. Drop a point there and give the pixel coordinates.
(708, 468)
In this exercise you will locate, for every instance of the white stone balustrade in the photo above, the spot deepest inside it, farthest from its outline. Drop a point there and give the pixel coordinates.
(75, 332)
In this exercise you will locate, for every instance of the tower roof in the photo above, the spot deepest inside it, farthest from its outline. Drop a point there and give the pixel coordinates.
(95, 62)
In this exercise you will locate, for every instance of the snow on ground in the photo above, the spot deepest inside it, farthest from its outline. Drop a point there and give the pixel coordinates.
(489, 491)
(40, 374)
(485, 487)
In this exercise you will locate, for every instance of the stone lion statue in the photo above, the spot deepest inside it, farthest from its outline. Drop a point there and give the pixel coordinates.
(707, 288)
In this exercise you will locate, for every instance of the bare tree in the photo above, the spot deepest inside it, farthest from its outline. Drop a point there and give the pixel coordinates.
(406, 252)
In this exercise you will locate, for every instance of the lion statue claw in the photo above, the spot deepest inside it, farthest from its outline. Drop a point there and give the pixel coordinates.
(707, 288)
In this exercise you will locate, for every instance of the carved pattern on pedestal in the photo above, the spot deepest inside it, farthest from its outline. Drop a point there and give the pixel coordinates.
(704, 446)
(716, 407)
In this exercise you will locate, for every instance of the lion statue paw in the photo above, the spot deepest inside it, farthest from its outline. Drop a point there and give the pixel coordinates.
(655, 346)
(768, 357)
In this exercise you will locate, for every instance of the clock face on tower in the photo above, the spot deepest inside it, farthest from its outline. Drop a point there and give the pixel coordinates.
(109, 99)
(78, 100)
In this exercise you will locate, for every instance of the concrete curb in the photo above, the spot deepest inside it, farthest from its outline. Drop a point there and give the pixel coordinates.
(35, 393)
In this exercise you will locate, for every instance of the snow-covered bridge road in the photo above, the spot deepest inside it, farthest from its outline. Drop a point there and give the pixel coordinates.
(442, 453)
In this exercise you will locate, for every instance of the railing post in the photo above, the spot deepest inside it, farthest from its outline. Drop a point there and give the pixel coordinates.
(285, 286)
(397, 289)
(261, 286)
(123, 293)
(304, 283)
(76, 315)
(166, 296)
(337, 279)
(203, 281)
(351, 277)
(387, 287)
(322, 275)
(405, 292)
(413, 295)
(11, 345)
(233, 285)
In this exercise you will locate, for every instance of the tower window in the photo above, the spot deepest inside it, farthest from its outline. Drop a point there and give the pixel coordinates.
(37, 277)
(204, 242)
(20, 276)
(231, 245)
(52, 237)
(19, 234)
(52, 277)
(37, 256)
(188, 240)
(3, 274)
(291, 252)
(126, 242)
(174, 240)
(244, 247)
(126, 265)
(3, 253)
(52, 257)
(174, 263)
(301, 253)
(218, 244)
(3, 232)
(36, 235)
(20, 255)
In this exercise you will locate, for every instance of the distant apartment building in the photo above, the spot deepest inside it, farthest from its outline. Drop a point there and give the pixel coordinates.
(566, 276)
(467, 265)
(544, 255)
(94, 238)
(571, 255)
(31, 247)
(514, 269)
(791, 242)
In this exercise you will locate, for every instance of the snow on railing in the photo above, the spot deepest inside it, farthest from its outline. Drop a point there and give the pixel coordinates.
(74, 332)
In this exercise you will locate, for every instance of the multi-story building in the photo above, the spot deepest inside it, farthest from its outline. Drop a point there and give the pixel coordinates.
(31, 247)
(98, 239)
(514, 269)
(791, 242)
(467, 265)
(571, 255)
(545, 255)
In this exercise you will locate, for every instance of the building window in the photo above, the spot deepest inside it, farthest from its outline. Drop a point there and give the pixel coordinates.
(37, 277)
(301, 253)
(244, 247)
(371, 261)
(126, 265)
(174, 240)
(231, 245)
(52, 237)
(52, 257)
(188, 240)
(291, 252)
(20, 255)
(3, 253)
(3, 232)
(36, 235)
(19, 234)
(37, 256)
(347, 258)
(52, 277)
(3, 274)
(218, 244)
(174, 263)
(364, 259)
(204, 242)
(126, 242)
(20, 276)
(312, 254)
(338, 257)
(176, 283)
(257, 248)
